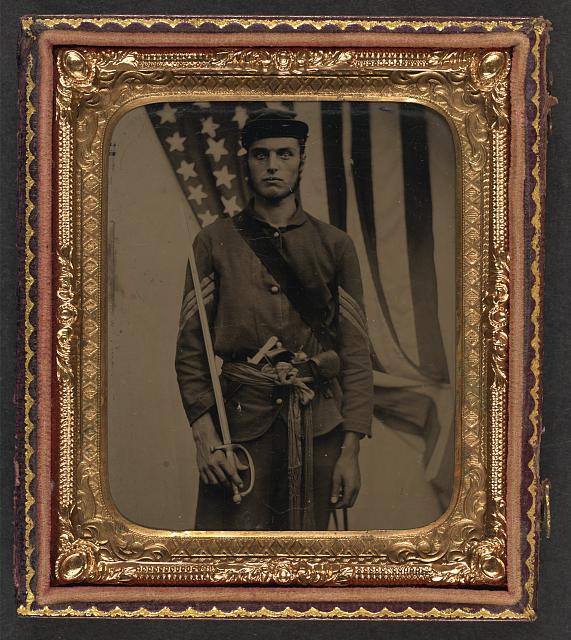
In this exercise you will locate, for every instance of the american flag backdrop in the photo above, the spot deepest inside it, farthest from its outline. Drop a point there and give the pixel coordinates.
(380, 191)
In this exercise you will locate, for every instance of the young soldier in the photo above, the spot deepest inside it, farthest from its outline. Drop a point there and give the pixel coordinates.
(276, 276)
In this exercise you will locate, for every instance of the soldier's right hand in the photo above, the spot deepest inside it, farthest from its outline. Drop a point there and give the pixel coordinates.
(215, 466)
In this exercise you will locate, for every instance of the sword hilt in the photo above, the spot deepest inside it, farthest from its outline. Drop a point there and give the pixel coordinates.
(229, 450)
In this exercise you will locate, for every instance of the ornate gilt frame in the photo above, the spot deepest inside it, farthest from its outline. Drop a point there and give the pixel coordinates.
(95, 81)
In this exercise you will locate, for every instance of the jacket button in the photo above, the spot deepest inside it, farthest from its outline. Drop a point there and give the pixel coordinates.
(276, 234)
(279, 401)
(274, 289)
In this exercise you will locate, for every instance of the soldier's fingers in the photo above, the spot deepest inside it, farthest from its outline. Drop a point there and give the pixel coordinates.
(346, 494)
(215, 469)
(211, 477)
(343, 503)
(228, 464)
(353, 497)
(335, 488)
(204, 477)
(241, 466)
(231, 473)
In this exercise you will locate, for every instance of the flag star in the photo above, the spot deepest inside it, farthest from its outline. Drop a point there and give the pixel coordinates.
(176, 142)
(202, 105)
(223, 177)
(186, 170)
(216, 148)
(207, 218)
(240, 116)
(241, 151)
(230, 205)
(167, 113)
(209, 126)
(197, 194)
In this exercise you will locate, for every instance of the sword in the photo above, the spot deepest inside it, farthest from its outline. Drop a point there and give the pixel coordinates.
(227, 445)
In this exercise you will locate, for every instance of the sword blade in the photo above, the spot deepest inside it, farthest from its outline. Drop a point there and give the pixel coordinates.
(219, 398)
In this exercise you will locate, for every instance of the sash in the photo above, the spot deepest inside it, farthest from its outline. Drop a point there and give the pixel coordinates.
(300, 433)
(255, 236)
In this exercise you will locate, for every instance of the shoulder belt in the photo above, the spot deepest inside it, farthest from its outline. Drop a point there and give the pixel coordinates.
(271, 257)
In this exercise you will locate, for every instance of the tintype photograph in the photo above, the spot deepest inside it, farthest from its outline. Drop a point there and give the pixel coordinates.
(283, 274)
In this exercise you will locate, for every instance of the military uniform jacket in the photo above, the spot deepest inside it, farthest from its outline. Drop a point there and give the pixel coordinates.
(245, 307)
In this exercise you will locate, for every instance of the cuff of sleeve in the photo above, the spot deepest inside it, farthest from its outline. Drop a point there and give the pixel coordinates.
(361, 428)
(203, 403)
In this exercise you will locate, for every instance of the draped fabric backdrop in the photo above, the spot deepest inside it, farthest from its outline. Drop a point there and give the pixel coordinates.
(368, 173)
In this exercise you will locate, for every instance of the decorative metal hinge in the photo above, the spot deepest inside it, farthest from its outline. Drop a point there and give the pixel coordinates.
(546, 507)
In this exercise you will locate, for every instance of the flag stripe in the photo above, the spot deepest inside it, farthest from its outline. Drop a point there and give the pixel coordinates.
(363, 180)
(332, 132)
(418, 213)
(386, 154)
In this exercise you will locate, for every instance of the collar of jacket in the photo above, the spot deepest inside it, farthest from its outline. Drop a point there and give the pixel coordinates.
(297, 220)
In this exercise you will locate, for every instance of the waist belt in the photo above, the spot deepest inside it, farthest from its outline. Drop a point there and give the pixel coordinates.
(300, 431)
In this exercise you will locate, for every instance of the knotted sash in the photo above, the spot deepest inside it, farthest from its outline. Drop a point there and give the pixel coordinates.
(300, 432)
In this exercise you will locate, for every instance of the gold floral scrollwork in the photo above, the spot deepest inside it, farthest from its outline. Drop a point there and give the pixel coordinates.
(80, 560)
(76, 72)
(86, 72)
(66, 316)
(489, 72)
(77, 560)
(481, 559)
(284, 571)
(450, 59)
(282, 61)
(493, 555)
(92, 548)
(498, 318)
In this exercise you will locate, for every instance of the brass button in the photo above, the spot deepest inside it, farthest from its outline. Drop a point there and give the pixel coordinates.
(279, 401)
(276, 234)
(274, 289)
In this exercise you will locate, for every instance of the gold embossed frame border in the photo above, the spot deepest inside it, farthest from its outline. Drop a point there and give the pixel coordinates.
(472, 86)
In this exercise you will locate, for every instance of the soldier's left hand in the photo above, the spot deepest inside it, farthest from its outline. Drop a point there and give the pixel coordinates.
(346, 480)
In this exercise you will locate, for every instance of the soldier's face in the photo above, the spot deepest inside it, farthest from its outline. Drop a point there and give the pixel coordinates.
(274, 166)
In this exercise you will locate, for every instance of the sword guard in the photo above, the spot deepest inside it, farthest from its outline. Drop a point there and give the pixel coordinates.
(231, 448)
